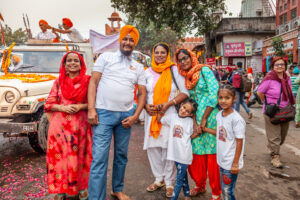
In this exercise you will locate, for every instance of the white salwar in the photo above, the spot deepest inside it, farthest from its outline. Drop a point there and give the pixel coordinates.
(162, 168)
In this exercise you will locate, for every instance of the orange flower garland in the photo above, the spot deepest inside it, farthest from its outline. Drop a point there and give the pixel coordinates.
(25, 78)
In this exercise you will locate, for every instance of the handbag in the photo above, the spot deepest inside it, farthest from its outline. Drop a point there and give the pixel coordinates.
(177, 106)
(284, 114)
(271, 109)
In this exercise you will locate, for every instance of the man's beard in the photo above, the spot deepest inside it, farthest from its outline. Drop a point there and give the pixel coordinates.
(126, 53)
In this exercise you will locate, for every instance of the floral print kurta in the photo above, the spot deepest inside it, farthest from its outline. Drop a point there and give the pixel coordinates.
(205, 93)
(69, 147)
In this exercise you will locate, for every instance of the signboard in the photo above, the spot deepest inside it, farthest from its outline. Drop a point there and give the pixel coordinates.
(225, 66)
(286, 46)
(211, 61)
(234, 49)
(248, 49)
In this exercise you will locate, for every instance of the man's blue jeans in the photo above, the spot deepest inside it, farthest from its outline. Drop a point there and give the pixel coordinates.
(228, 181)
(181, 181)
(110, 123)
(240, 100)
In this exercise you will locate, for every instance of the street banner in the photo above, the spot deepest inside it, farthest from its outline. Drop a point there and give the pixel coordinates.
(211, 61)
(234, 49)
(102, 43)
(225, 66)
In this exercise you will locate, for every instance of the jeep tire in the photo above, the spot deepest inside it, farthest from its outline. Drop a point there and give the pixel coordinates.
(43, 132)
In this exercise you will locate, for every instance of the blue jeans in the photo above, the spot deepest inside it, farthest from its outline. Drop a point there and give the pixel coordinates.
(181, 181)
(110, 123)
(228, 181)
(240, 100)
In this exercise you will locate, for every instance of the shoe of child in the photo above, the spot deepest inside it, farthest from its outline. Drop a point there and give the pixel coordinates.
(250, 115)
(214, 197)
(194, 192)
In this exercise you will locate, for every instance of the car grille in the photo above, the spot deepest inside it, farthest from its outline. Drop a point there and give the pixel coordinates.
(4, 109)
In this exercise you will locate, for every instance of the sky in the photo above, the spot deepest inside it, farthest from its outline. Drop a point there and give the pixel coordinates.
(85, 14)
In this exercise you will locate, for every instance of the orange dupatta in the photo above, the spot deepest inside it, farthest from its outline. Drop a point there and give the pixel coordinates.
(162, 89)
(191, 76)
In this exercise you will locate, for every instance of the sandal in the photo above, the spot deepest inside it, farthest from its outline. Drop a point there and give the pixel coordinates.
(297, 125)
(169, 191)
(194, 192)
(154, 186)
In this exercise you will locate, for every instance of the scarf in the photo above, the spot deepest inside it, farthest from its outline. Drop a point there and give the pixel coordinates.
(162, 89)
(67, 84)
(192, 75)
(286, 90)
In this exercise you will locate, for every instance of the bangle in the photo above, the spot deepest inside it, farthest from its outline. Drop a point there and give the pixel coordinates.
(174, 101)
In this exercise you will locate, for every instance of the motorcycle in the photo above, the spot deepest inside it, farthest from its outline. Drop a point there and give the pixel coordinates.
(254, 98)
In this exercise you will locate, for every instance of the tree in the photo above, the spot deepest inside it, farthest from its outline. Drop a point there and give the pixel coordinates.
(181, 16)
(149, 37)
(278, 46)
(18, 36)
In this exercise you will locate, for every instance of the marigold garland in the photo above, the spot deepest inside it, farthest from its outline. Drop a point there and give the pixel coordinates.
(25, 78)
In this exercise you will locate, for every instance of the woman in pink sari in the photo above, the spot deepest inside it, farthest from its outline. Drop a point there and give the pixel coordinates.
(69, 148)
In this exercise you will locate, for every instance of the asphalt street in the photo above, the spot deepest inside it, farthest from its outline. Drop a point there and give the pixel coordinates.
(23, 172)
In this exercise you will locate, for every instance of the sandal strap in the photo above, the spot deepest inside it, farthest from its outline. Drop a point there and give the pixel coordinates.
(170, 186)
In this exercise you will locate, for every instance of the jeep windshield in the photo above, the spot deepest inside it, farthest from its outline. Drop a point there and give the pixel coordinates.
(35, 61)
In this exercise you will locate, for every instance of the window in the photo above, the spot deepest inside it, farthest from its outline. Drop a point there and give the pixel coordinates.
(285, 6)
(294, 13)
(285, 18)
(293, 2)
(280, 8)
(281, 20)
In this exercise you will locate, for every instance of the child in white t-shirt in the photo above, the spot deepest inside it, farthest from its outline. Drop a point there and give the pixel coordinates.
(179, 144)
(230, 137)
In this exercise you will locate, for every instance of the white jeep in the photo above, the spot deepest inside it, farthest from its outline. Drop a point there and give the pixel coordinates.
(22, 104)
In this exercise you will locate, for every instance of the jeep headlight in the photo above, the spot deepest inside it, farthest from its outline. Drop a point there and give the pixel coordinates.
(9, 97)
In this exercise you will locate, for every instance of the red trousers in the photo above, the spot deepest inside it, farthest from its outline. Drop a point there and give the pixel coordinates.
(198, 171)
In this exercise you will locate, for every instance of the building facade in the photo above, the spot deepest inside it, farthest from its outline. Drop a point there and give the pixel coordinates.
(287, 27)
(239, 40)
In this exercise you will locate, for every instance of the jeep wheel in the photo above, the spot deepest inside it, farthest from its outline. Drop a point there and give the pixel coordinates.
(43, 132)
(38, 141)
(34, 142)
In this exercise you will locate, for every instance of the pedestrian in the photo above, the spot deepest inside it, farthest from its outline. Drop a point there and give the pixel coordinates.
(179, 145)
(111, 112)
(73, 34)
(203, 88)
(276, 84)
(239, 94)
(297, 117)
(230, 132)
(163, 84)
(69, 144)
(45, 34)
(216, 73)
(227, 76)
(295, 86)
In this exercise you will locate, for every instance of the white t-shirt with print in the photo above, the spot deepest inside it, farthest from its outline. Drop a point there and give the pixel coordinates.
(120, 74)
(229, 129)
(75, 35)
(179, 145)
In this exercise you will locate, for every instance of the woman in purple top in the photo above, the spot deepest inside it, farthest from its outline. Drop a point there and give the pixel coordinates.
(270, 88)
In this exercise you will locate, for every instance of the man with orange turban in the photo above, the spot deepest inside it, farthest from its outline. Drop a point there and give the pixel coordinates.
(111, 99)
(16, 62)
(72, 33)
(45, 34)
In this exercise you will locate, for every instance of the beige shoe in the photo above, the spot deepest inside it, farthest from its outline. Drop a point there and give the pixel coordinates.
(276, 161)
(250, 115)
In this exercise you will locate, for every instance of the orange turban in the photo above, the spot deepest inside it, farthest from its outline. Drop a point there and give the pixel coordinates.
(132, 31)
(249, 70)
(67, 22)
(16, 58)
(43, 22)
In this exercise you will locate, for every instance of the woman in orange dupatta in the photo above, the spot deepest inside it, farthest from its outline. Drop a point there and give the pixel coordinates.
(161, 93)
(69, 145)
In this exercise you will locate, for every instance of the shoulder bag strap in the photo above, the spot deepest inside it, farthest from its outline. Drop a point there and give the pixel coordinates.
(173, 78)
(279, 100)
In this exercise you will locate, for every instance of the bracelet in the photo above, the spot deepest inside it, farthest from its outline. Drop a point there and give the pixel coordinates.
(174, 102)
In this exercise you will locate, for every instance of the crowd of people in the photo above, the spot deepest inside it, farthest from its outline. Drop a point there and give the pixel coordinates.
(192, 122)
